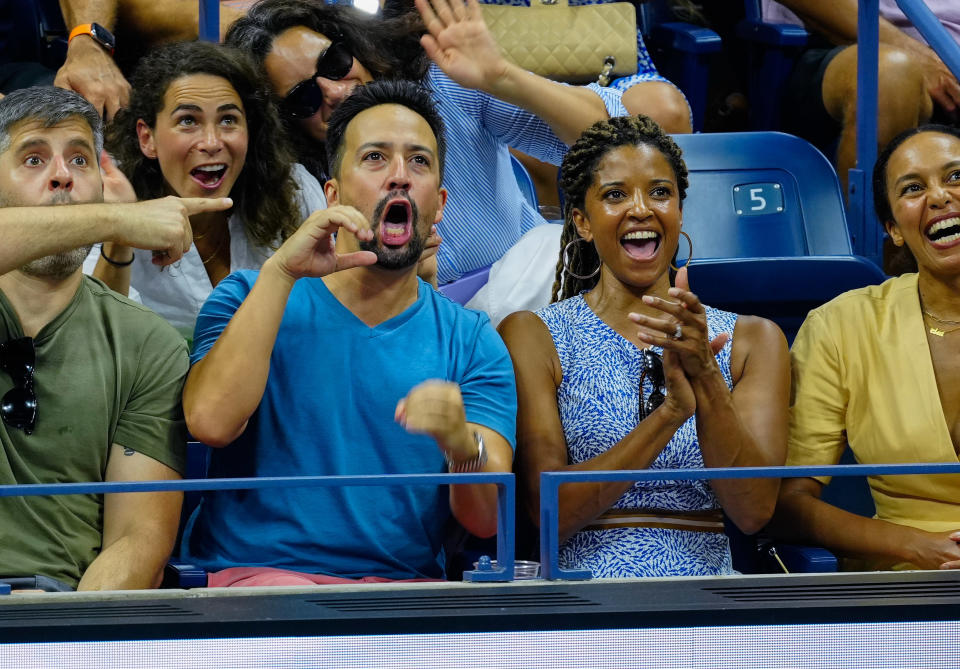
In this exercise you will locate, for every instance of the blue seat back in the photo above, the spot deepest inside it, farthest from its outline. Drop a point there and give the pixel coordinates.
(850, 493)
(773, 49)
(761, 194)
(681, 52)
(32, 31)
(461, 290)
(179, 574)
(525, 182)
(766, 215)
(198, 458)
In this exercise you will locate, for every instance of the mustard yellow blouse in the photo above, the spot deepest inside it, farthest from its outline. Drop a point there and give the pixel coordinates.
(862, 374)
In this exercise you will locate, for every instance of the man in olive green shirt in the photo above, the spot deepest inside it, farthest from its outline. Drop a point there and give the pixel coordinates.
(90, 382)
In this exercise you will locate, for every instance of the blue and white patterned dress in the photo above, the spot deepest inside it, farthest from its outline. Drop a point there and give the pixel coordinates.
(598, 403)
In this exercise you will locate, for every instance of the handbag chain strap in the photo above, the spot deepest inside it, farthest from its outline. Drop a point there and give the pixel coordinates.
(606, 73)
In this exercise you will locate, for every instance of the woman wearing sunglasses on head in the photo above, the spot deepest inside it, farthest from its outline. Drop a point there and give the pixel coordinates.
(200, 124)
(877, 369)
(314, 54)
(626, 371)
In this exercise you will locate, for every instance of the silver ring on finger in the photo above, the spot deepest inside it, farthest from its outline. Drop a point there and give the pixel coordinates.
(678, 332)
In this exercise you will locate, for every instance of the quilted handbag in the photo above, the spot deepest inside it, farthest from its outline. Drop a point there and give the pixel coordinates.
(573, 44)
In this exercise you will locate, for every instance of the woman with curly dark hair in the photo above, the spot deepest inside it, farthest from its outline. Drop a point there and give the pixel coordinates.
(201, 124)
(384, 48)
(627, 371)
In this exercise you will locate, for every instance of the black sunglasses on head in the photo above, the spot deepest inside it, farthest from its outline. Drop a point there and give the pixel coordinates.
(652, 367)
(18, 407)
(306, 98)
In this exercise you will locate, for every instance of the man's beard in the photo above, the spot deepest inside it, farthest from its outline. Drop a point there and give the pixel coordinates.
(396, 258)
(57, 266)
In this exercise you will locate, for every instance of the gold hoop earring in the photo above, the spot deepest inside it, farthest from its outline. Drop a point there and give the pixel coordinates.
(566, 260)
(689, 255)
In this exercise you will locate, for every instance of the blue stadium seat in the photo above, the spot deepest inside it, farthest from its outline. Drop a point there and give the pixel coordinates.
(33, 31)
(681, 52)
(198, 459)
(773, 49)
(525, 181)
(462, 289)
(766, 215)
(850, 493)
(179, 574)
(775, 557)
(757, 554)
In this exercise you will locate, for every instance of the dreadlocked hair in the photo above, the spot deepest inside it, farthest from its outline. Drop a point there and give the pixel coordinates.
(577, 174)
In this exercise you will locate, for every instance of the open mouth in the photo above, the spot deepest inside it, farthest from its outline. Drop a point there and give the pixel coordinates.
(945, 232)
(209, 176)
(397, 224)
(641, 244)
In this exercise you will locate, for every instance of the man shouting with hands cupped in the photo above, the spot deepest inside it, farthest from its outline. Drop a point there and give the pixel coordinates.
(335, 358)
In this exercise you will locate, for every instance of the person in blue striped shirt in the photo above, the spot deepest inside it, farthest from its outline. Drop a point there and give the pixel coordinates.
(315, 54)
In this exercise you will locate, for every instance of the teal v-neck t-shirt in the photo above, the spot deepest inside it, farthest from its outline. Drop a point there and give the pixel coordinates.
(328, 408)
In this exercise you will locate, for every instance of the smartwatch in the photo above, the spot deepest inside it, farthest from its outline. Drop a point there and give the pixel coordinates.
(101, 35)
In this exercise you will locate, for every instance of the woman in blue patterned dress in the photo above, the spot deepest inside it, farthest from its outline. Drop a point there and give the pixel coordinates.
(626, 371)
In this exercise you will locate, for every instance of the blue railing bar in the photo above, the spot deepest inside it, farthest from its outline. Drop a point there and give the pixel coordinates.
(209, 20)
(506, 539)
(793, 471)
(550, 529)
(104, 487)
(859, 185)
(933, 31)
(505, 482)
(550, 483)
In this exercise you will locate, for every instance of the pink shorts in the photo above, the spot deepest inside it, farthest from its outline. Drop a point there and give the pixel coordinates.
(239, 577)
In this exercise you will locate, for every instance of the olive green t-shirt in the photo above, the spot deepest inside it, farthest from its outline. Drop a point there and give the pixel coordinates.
(108, 371)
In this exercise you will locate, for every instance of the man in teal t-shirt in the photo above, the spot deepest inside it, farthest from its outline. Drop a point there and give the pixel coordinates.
(340, 361)
(90, 382)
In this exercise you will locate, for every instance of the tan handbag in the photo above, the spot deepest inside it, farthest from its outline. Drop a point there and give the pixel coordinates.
(572, 44)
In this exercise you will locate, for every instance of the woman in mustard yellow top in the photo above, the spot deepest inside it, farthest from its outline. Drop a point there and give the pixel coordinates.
(879, 368)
